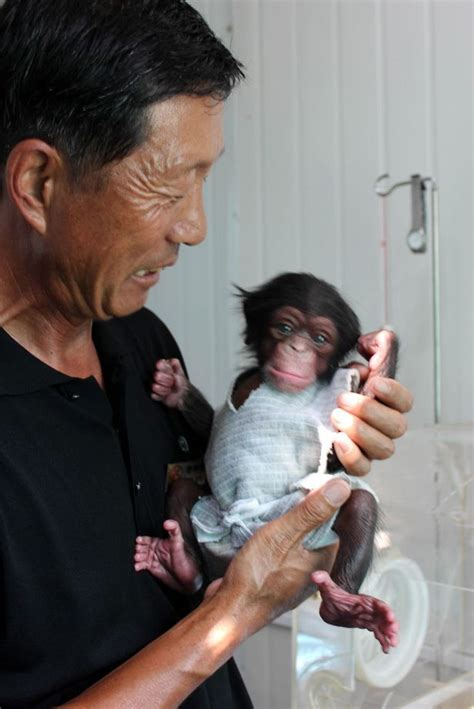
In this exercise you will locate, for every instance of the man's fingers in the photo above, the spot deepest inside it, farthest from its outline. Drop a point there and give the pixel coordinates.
(361, 368)
(350, 456)
(391, 393)
(355, 409)
(212, 588)
(374, 444)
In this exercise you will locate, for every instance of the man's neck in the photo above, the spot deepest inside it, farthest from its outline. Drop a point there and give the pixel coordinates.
(62, 345)
(28, 312)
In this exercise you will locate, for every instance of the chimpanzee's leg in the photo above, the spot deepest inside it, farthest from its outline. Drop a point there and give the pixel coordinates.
(355, 525)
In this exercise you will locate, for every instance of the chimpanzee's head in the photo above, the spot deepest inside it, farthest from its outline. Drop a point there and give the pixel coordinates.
(299, 328)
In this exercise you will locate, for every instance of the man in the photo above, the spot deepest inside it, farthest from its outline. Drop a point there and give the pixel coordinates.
(111, 118)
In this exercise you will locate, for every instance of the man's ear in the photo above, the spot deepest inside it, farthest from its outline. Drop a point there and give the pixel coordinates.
(31, 170)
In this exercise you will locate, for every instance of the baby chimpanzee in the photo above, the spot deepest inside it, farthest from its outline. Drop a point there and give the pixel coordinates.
(272, 442)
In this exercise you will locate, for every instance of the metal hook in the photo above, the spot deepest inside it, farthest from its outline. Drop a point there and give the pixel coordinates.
(417, 242)
(387, 192)
(432, 182)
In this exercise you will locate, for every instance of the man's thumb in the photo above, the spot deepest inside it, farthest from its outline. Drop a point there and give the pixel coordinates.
(319, 505)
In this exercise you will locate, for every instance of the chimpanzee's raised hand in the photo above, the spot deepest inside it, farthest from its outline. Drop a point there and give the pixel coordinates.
(170, 384)
(380, 348)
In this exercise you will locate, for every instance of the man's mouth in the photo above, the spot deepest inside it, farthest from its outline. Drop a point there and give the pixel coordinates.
(144, 272)
(147, 277)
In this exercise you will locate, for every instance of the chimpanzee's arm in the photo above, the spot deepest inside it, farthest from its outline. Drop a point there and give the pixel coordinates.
(171, 386)
(198, 412)
(180, 498)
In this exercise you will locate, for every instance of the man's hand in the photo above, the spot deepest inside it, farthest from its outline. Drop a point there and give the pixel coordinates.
(369, 422)
(271, 573)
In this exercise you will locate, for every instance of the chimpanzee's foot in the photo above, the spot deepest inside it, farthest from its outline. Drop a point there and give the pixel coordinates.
(168, 560)
(350, 610)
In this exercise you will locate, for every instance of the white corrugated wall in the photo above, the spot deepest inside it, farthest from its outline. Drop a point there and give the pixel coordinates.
(337, 93)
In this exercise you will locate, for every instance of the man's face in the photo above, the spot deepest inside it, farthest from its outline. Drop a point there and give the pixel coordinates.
(106, 246)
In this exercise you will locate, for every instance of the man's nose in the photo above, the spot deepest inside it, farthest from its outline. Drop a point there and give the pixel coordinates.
(191, 227)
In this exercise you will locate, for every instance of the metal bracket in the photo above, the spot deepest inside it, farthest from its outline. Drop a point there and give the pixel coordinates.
(416, 237)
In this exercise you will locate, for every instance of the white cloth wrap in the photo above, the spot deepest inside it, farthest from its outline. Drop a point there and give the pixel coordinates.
(264, 457)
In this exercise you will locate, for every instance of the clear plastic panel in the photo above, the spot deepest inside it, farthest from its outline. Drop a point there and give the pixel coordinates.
(425, 570)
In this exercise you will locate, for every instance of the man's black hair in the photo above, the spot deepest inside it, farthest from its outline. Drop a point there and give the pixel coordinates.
(306, 293)
(80, 74)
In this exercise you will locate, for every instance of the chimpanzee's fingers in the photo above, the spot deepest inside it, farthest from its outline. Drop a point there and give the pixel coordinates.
(176, 367)
(377, 342)
(141, 566)
(159, 392)
(174, 532)
(163, 379)
(144, 541)
(164, 365)
(350, 456)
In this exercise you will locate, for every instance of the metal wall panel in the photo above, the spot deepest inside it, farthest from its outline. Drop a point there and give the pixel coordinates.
(339, 91)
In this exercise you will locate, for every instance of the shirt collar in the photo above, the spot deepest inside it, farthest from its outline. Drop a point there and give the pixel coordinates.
(22, 373)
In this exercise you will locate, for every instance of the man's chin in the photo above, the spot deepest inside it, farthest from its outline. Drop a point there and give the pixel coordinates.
(121, 307)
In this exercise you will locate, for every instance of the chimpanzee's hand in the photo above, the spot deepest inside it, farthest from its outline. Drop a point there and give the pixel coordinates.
(170, 384)
(168, 560)
(370, 421)
(380, 348)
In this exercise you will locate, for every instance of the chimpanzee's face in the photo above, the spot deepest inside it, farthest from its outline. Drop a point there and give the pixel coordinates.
(297, 348)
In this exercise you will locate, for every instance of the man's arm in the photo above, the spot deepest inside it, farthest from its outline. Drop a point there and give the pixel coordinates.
(268, 576)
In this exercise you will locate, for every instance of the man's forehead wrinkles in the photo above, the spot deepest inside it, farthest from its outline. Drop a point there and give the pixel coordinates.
(158, 165)
(153, 163)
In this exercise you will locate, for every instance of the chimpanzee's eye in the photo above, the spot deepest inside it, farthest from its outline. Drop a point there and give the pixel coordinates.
(319, 339)
(284, 329)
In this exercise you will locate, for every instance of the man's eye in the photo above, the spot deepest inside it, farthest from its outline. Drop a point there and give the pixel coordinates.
(283, 328)
(319, 339)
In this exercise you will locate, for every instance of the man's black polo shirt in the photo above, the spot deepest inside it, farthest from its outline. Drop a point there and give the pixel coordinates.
(81, 473)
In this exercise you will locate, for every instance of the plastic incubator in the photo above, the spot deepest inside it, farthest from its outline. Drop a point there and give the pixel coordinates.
(424, 569)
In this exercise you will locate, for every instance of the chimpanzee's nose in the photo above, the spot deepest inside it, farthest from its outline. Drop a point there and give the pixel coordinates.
(299, 343)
